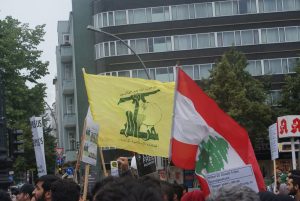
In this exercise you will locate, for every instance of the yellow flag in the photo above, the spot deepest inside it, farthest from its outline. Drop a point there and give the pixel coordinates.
(133, 114)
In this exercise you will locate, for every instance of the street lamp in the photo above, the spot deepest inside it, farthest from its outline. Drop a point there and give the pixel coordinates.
(48, 106)
(101, 31)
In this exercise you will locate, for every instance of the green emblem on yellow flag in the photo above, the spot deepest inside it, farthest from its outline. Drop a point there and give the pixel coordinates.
(133, 114)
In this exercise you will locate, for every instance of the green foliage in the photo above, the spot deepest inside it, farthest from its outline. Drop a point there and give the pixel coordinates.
(239, 94)
(20, 64)
(290, 103)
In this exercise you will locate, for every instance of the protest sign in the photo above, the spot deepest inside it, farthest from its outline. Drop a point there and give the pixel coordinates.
(241, 176)
(89, 154)
(145, 164)
(273, 141)
(38, 143)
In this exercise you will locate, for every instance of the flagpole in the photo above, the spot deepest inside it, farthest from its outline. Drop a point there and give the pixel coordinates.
(112, 35)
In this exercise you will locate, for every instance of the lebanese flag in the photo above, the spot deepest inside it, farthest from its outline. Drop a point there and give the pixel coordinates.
(205, 138)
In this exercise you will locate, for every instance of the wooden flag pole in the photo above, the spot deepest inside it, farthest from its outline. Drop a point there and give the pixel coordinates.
(86, 181)
(80, 152)
(275, 177)
(102, 162)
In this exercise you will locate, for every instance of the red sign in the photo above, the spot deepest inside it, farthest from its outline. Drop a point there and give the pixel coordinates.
(288, 126)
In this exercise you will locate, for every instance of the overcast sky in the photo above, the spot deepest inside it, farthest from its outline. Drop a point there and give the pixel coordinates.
(37, 12)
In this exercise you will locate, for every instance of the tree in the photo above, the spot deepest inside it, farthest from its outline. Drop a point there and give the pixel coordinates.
(290, 99)
(239, 94)
(19, 64)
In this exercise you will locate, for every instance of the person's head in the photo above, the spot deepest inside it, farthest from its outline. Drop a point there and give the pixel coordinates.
(293, 182)
(99, 184)
(241, 193)
(42, 187)
(65, 190)
(178, 189)
(128, 189)
(4, 196)
(167, 190)
(25, 193)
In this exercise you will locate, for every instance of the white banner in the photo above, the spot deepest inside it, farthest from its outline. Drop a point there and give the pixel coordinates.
(38, 143)
(273, 141)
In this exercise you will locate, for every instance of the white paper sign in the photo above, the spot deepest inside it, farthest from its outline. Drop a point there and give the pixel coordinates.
(273, 141)
(114, 170)
(288, 126)
(242, 176)
(38, 143)
(89, 154)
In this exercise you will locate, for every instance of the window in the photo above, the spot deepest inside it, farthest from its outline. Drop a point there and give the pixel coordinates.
(158, 14)
(247, 37)
(180, 12)
(121, 48)
(99, 20)
(289, 5)
(196, 72)
(274, 97)
(228, 38)
(111, 18)
(248, 6)
(141, 46)
(292, 62)
(162, 74)
(189, 70)
(254, 68)
(120, 17)
(68, 71)
(204, 70)
(182, 42)
(203, 10)
(72, 140)
(267, 5)
(225, 8)
(104, 19)
(291, 34)
(66, 39)
(124, 73)
(106, 49)
(272, 66)
(270, 35)
(69, 105)
(203, 40)
(161, 44)
(139, 16)
(112, 48)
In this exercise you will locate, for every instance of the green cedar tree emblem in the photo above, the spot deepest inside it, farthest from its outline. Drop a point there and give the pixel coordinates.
(213, 155)
(135, 120)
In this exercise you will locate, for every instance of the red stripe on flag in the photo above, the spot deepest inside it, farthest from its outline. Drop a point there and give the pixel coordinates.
(184, 155)
(220, 122)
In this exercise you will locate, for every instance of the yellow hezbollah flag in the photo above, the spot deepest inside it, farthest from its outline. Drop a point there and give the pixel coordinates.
(133, 114)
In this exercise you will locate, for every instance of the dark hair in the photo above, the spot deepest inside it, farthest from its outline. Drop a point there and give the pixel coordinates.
(167, 189)
(295, 175)
(27, 188)
(47, 181)
(66, 190)
(178, 189)
(4, 196)
(128, 189)
(99, 184)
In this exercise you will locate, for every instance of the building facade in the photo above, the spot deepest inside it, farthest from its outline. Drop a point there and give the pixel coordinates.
(191, 33)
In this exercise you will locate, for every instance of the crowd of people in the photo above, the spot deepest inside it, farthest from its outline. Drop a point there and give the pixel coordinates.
(127, 187)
